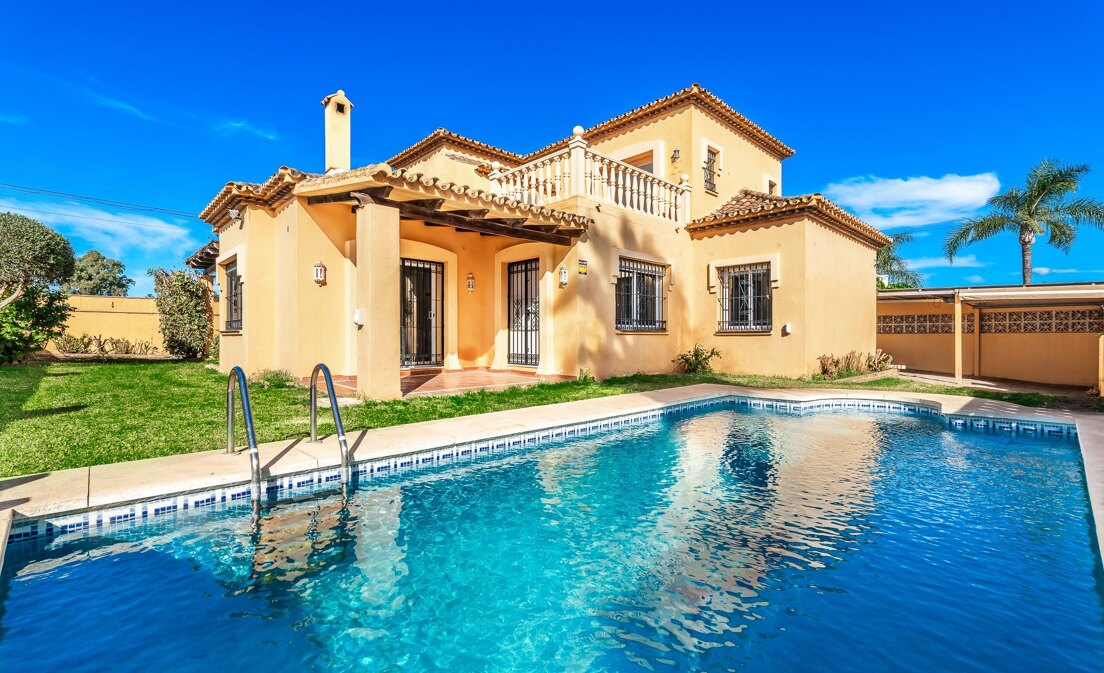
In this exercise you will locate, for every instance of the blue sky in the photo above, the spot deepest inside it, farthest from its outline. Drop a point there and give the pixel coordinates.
(909, 114)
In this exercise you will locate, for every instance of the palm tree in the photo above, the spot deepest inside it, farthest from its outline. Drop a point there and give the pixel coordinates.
(1042, 206)
(890, 263)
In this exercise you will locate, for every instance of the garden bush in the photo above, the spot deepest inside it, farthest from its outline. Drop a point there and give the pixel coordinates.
(184, 305)
(28, 322)
(275, 378)
(697, 360)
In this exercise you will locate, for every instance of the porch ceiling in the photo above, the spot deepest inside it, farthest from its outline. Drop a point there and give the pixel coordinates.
(437, 203)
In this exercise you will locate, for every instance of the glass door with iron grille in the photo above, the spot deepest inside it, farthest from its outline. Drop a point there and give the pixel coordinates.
(422, 287)
(523, 312)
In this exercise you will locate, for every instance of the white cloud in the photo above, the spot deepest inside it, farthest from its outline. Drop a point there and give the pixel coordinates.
(962, 261)
(974, 278)
(115, 104)
(115, 234)
(887, 203)
(6, 118)
(1046, 270)
(232, 128)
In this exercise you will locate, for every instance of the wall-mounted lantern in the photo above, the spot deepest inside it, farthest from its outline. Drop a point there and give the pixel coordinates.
(563, 275)
(471, 283)
(675, 155)
(320, 273)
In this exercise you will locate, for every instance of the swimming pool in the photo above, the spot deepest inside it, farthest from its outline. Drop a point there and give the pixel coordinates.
(726, 539)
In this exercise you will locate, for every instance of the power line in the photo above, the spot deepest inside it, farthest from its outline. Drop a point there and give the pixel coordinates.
(98, 182)
(144, 225)
(126, 205)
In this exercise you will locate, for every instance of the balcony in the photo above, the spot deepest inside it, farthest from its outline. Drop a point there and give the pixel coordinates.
(580, 171)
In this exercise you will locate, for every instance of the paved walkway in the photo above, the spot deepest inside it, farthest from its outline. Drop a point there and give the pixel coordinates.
(995, 385)
(421, 384)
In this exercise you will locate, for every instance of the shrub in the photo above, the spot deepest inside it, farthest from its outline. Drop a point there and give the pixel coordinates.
(275, 378)
(213, 351)
(853, 363)
(829, 366)
(124, 346)
(28, 322)
(184, 305)
(67, 343)
(585, 376)
(879, 361)
(697, 360)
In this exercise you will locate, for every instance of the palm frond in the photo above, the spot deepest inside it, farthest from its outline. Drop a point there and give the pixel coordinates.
(1082, 210)
(977, 229)
(1049, 181)
(1062, 235)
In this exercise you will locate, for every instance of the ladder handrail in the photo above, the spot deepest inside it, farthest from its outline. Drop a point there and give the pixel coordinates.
(237, 374)
(320, 367)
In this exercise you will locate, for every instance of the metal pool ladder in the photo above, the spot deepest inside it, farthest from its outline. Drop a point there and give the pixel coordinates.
(336, 416)
(236, 374)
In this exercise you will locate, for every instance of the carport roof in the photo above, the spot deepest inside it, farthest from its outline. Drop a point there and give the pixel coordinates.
(1005, 296)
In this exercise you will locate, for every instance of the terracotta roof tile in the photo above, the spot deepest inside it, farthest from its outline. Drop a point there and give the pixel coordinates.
(750, 206)
(383, 173)
(695, 94)
(444, 137)
(236, 194)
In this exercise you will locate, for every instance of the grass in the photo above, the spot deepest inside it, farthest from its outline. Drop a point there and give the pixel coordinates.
(62, 415)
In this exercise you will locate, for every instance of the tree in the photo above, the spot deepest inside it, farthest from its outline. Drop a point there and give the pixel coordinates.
(184, 305)
(1044, 205)
(98, 275)
(30, 254)
(890, 263)
(29, 321)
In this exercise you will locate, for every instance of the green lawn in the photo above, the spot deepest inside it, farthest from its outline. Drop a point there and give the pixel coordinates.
(60, 415)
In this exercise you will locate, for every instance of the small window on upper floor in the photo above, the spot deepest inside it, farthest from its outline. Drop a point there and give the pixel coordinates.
(711, 167)
(772, 187)
(644, 161)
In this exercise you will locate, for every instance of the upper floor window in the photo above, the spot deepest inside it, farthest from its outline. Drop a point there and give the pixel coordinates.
(641, 296)
(712, 165)
(233, 292)
(643, 161)
(745, 298)
(772, 187)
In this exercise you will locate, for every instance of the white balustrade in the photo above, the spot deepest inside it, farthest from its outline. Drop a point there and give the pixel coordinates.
(579, 171)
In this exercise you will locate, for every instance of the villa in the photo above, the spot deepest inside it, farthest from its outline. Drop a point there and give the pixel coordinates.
(607, 252)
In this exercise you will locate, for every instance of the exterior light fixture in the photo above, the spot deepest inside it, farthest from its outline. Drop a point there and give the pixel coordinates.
(675, 155)
(563, 275)
(320, 273)
(471, 283)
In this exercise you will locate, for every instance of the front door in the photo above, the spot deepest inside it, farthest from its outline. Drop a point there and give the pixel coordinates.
(422, 288)
(523, 313)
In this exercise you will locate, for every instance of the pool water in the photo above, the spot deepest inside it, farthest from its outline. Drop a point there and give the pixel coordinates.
(724, 540)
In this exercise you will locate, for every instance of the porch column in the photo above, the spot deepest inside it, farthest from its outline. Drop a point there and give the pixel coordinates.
(958, 337)
(977, 340)
(377, 296)
(1100, 366)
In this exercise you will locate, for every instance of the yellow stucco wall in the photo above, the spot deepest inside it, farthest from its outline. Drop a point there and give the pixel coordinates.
(453, 165)
(133, 318)
(1056, 358)
(822, 290)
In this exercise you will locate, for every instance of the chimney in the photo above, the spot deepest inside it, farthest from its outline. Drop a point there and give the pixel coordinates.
(338, 112)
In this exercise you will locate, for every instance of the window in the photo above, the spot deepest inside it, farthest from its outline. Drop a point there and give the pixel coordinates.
(643, 161)
(641, 296)
(745, 298)
(772, 187)
(712, 157)
(233, 293)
